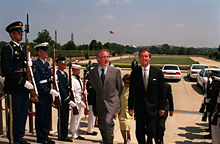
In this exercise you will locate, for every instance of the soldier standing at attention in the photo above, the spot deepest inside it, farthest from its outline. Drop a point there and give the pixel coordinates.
(42, 75)
(16, 86)
(63, 111)
(77, 88)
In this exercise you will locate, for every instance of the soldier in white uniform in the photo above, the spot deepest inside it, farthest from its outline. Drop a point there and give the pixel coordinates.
(77, 88)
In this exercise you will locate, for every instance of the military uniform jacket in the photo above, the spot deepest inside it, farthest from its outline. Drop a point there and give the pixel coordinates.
(63, 84)
(77, 88)
(13, 67)
(42, 75)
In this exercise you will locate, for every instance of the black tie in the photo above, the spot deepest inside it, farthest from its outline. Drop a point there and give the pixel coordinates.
(102, 77)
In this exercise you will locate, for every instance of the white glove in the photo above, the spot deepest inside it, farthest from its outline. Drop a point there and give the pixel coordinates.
(28, 85)
(72, 104)
(218, 99)
(54, 93)
(81, 104)
(207, 100)
(30, 63)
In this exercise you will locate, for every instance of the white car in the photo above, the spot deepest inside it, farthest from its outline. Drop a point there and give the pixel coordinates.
(202, 77)
(171, 71)
(194, 69)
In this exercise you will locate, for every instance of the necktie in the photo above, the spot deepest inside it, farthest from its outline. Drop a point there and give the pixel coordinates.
(102, 77)
(145, 79)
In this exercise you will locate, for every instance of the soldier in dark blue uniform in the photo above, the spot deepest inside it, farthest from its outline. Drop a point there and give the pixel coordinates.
(63, 111)
(42, 75)
(16, 86)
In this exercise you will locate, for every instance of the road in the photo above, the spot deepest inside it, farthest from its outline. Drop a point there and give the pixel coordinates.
(206, 61)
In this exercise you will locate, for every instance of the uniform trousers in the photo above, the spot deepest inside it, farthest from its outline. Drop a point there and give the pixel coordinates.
(18, 111)
(106, 126)
(63, 118)
(42, 121)
(91, 120)
(75, 122)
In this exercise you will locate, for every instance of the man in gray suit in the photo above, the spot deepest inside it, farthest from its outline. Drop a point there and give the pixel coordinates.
(107, 82)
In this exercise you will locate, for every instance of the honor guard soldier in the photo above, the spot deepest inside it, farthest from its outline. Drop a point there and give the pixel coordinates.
(16, 86)
(211, 100)
(63, 111)
(42, 75)
(77, 88)
(215, 119)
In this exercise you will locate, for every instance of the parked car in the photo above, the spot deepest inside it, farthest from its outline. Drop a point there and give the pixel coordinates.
(202, 77)
(194, 69)
(171, 71)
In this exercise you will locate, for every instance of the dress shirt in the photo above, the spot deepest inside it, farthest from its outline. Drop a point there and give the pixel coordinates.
(100, 70)
(18, 44)
(147, 69)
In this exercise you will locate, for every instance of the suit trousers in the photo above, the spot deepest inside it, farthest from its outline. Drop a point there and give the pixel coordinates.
(106, 127)
(91, 120)
(140, 130)
(18, 110)
(216, 132)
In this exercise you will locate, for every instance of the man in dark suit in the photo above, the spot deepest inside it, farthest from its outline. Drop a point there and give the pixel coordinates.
(146, 99)
(42, 75)
(169, 108)
(134, 64)
(107, 82)
(63, 111)
(16, 86)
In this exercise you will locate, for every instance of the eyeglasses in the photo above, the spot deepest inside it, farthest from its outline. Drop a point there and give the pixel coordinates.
(105, 57)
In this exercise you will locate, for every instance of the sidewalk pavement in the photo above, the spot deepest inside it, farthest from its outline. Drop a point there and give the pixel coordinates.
(185, 127)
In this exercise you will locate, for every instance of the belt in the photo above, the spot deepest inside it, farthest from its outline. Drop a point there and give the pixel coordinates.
(43, 81)
(20, 70)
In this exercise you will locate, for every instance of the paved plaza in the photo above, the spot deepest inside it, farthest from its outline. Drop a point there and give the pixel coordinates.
(185, 127)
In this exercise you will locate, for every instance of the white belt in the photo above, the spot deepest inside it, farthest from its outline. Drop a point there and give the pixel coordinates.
(43, 81)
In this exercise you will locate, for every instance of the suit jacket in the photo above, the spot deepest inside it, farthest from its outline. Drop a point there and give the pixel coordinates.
(169, 98)
(107, 97)
(146, 103)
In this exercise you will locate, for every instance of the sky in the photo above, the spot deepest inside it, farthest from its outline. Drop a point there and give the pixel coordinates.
(188, 23)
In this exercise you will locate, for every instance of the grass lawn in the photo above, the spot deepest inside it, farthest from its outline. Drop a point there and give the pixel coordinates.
(179, 60)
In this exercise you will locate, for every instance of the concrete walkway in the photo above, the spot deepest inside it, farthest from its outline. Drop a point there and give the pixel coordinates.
(185, 127)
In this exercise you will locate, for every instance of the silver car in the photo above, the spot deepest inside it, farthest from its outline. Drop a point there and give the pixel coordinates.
(194, 69)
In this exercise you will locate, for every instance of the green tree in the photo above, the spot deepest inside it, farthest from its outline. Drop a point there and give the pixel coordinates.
(70, 45)
(93, 45)
(165, 48)
(155, 50)
(43, 36)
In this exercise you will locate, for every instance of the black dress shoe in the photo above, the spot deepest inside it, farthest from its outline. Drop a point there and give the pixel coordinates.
(50, 141)
(80, 138)
(24, 142)
(67, 140)
(208, 136)
(93, 133)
